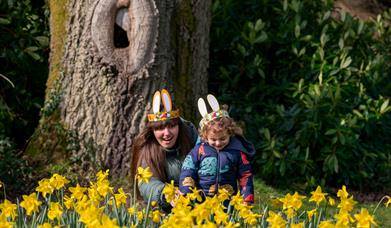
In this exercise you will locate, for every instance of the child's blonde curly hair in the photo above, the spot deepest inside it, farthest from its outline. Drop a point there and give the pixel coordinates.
(220, 124)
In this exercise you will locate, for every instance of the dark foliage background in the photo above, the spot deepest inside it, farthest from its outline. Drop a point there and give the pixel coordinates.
(313, 90)
(24, 51)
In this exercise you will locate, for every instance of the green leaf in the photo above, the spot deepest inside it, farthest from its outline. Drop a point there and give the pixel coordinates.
(384, 106)
(4, 21)
(346, 62)
(277, 154)
(259, 25)
(43, 40)
(297, 30)
(330, 132)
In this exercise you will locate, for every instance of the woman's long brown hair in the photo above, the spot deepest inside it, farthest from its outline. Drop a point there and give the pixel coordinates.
(147, 149)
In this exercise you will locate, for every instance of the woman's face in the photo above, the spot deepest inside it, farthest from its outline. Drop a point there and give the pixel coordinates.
(167, 136)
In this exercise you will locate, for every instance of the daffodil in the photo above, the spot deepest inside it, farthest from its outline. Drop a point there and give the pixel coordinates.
(90, 216)
(344, 219)
(57, 181)
(44, 187)
(55, 211)
(45, 225)
(221, 217)
(30, 203)
(252, 218)
(143, 175)
(275, 220)
(364, 219)
(169, 191)
(388, 201)
(102, 175)
(8, 209)
(347, 204)
(232, 225)
(120, 197)
(237, 201)
(195, 195)
(318, 196)
(107, 222)
(4, 223)
(326, 224)
(103, 188)
(331, 201)
(342, 193)
(222, 194)
(68, 202)
(131, 210)
(156, 215)
(292, 201)
(77, 192)
(298, 225)
(311, 213)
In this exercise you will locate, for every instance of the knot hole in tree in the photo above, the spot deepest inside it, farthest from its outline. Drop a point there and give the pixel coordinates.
(125, 32)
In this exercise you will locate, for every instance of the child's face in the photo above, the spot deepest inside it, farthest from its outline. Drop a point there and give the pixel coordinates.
(218, 139)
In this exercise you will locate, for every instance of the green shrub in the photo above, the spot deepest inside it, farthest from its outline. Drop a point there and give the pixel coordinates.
(313, 90)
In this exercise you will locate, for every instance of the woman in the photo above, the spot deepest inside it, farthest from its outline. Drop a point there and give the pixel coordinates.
(162, 146)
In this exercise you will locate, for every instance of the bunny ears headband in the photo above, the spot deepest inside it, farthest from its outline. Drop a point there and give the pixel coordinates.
(168, 113)
(216, 113)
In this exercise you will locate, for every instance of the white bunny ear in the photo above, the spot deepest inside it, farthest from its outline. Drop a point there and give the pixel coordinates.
(202, 107)
(156, 102)
(214, 104)
(166, 100)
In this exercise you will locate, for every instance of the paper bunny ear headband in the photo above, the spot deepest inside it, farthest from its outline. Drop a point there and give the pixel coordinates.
(168, 113)
(216, 111)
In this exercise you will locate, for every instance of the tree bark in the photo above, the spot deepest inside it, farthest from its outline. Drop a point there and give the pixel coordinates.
(109, 78)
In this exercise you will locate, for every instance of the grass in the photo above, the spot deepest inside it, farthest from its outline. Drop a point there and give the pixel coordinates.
(264, 195)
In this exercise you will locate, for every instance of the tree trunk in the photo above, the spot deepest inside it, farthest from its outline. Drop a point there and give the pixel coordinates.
(114, 55)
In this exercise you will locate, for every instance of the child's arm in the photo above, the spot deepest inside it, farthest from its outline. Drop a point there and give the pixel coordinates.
(189, 176)
(246, 179)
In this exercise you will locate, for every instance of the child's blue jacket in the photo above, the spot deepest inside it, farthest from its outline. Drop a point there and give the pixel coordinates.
(208, 170)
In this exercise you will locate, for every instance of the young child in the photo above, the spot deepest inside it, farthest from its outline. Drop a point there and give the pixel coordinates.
(221, 160)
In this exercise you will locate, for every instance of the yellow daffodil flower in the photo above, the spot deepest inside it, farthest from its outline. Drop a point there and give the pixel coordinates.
(55, 211)
(275, 220)
(223, 194)
(326, 224)
(195, 194)
(221, 217)
(169, 191)
(343, 219)
(102, 175)
(45, 225)
(318, 196)
(237, 201)
(77, 192)
(68, 202)
(106, 222)
(120, 197)
(8, 209)
(388, 201)
(156, 215)
(143, 175)
(4, 223)
(30, 203)
(331, 201)
(44, 187)
(347, 205)
(57, 181)
(311, 213)
(298, 225)
(131, 210)
(342, 193)
(364, 219)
